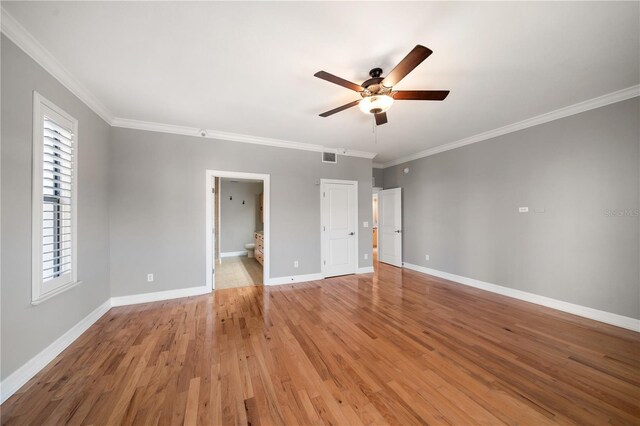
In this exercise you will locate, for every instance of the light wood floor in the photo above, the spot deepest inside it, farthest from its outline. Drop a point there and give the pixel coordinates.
(240, 271)
(400, 348)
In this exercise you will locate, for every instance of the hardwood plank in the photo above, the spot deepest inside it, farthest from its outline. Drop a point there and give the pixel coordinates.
(396, 347)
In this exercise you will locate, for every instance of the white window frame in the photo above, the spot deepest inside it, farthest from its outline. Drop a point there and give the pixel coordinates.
(41, 291)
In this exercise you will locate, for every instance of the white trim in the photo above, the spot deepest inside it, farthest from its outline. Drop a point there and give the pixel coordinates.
(23, 374)
(57, 291)
(295, 279)
(41, 291)
(583, 311)
(234, 137)
(323, 182)
(209, 251)
(378, 165)
(217, 232)
(135, 299)
(25, 41)
(610, 98)
(234, 253)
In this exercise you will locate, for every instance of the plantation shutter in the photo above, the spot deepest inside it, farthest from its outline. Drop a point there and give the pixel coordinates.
(58, 169)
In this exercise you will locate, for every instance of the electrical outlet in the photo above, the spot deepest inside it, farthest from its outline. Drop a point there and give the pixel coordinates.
(295, 263)
(523, 209)
(366, 256)
(149, 277)
(426, 257)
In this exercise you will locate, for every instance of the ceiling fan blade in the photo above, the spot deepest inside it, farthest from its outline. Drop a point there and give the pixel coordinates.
(420, 95)
(341, 108)
(381, 118)
(412, 60)
(339, 81)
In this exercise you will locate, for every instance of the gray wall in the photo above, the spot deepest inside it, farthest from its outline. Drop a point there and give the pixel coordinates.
(157, 215)
(378, 178)
(238, 221)
(461, 208)
(27, 329)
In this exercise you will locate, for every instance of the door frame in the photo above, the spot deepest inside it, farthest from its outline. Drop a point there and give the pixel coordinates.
(210, 248)
(323, 182)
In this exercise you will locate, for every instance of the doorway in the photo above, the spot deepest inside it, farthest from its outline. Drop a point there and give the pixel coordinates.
(374, 225)
(237, 229)
(238, 233)
(339, 227)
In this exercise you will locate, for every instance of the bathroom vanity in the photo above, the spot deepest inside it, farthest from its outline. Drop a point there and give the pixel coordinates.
(259, 249)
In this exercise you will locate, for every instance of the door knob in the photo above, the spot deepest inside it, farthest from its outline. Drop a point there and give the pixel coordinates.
(352, 233)
(398, 231)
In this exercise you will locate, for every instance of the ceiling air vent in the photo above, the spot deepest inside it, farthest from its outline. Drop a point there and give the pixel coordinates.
(329, 157)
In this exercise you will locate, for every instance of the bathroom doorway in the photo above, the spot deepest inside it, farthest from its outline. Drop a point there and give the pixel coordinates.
(237, 229)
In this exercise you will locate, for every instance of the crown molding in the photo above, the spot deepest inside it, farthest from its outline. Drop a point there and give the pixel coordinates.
(234, 137)
(600, 101)
(25, 41)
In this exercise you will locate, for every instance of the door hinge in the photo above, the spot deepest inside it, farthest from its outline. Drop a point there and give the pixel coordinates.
(324, 262)
(324, 194)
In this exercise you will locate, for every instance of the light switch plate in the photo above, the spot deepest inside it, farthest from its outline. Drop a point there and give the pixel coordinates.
(523, 209)
(365, 224)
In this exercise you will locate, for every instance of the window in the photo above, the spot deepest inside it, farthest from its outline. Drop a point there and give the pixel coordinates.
(55, 154)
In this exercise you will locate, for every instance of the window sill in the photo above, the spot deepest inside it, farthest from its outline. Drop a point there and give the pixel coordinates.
(57, 291)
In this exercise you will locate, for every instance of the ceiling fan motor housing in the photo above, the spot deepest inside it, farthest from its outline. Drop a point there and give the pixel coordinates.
(376, 72)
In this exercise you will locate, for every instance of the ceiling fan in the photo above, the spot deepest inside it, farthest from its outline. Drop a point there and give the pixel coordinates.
(377, 92)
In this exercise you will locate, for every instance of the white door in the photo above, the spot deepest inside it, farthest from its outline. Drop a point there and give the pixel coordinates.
(339, 228)
(390, 226)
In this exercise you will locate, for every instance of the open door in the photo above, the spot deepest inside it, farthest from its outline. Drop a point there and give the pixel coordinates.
(390, 226)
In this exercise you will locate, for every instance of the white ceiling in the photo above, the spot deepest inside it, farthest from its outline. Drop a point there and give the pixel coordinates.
(248, 67)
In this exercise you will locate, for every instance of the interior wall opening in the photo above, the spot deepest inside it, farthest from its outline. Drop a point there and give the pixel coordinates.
(238, 223)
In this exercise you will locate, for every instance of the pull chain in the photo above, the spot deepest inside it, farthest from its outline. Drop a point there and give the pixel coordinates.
(375, 130)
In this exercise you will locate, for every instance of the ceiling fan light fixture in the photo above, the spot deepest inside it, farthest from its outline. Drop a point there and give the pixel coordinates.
(375, 104)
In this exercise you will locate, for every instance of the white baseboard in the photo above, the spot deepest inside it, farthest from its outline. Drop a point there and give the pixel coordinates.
(295, 279)
(311, 277)
(233, 253)
(583, 311)
(134, 299)
(23, 374)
